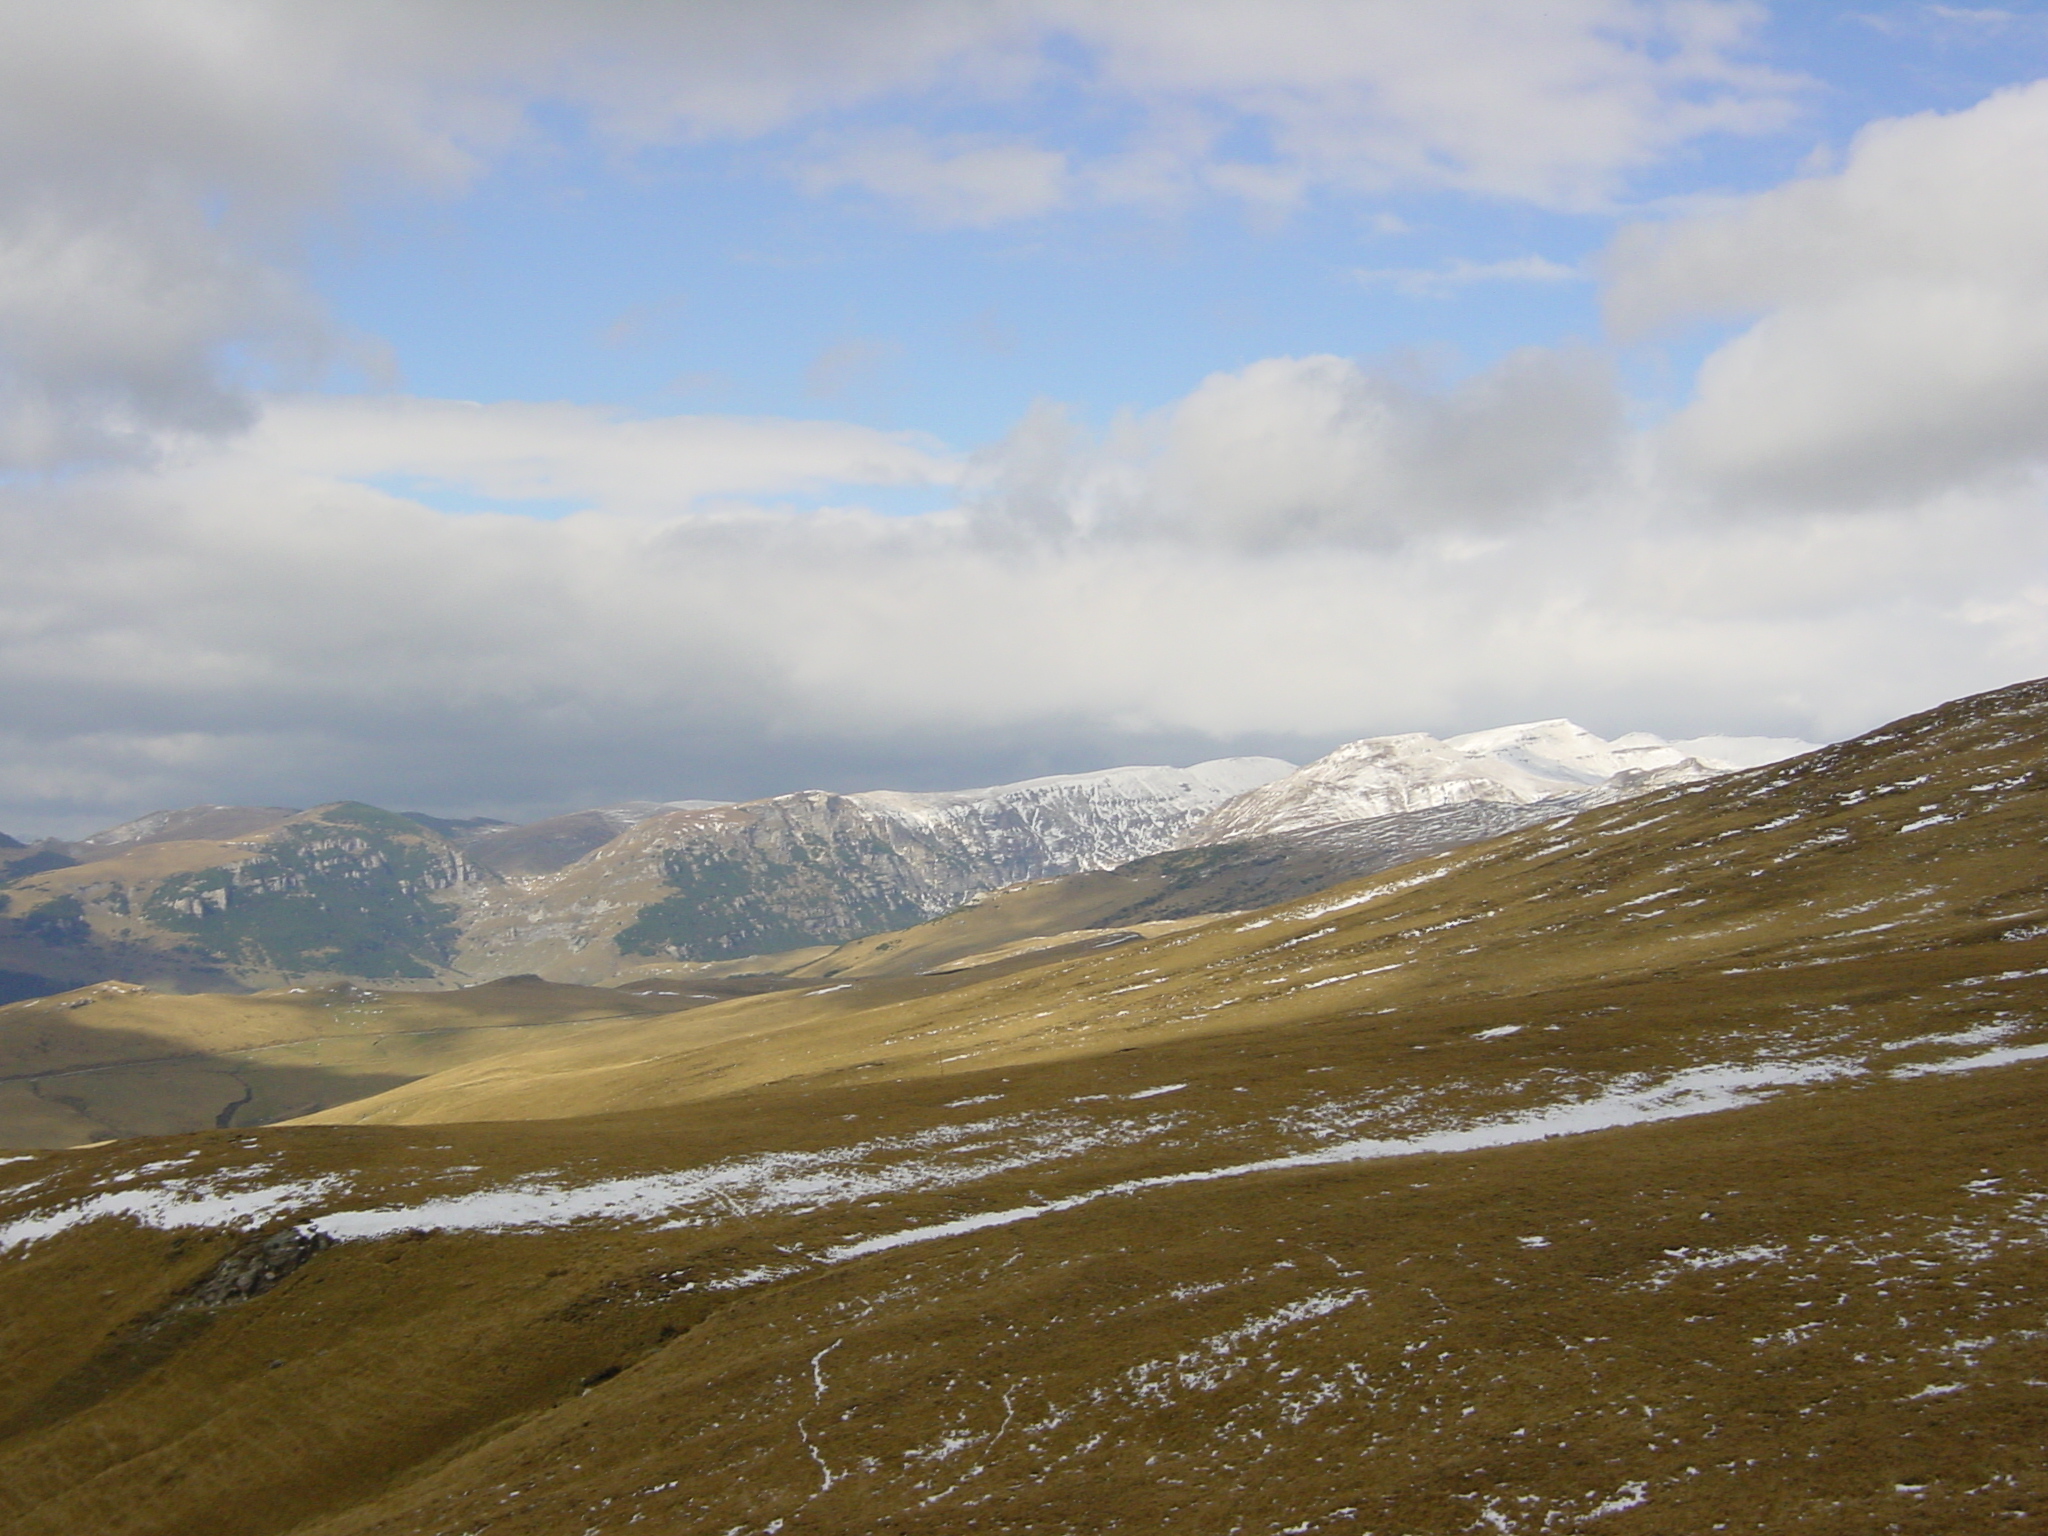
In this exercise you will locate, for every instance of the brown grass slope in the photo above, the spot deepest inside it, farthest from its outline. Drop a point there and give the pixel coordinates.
(1718, 1329)
(1332, 1262)
(119, 1060)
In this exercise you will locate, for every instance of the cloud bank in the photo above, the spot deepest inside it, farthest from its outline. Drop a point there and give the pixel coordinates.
(161, 164)
(241, 590)
(1897, 311)
(1344, 561)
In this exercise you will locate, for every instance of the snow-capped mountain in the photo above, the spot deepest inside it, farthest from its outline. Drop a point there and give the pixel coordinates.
(815, 868)
(1078, 821)
(1511, 764)
(605, 893)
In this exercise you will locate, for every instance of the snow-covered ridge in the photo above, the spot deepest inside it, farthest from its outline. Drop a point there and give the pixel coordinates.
(1512, 764)
(1082, 820)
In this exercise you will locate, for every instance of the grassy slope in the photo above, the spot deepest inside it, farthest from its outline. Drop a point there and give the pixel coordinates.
(1720, 1325)
(117, 1060)
(1821, 1312)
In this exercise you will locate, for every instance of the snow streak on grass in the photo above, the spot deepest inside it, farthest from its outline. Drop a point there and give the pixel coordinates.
(1698, 1092)
(951, 1156)
(233, 1198)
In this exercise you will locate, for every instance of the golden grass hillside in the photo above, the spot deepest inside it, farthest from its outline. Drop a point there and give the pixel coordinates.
(1681, 1169)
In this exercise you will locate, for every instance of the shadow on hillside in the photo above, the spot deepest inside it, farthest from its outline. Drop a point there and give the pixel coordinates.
(32, 968)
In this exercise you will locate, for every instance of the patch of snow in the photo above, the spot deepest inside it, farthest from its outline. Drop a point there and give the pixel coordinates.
(1345, 903)
(2003, 1056)
(1925, 821)
(234, 1200)
(1699, 1091)
(1628, 1496)
(1331, 981)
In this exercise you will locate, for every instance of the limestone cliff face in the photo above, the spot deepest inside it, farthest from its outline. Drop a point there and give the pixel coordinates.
(344, 890)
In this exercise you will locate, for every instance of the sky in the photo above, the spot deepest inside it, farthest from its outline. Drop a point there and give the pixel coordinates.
(496, 407)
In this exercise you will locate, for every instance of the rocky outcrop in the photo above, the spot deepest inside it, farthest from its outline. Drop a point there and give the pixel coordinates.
(257, 1266)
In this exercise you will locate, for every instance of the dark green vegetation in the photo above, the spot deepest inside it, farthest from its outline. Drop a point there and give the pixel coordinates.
(1682, 1167)
(33, 861)
(347, 889)
(793, 883)
(60, 921)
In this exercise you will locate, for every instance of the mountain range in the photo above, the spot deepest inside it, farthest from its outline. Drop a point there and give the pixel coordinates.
(225, 897)
(1674, 1163)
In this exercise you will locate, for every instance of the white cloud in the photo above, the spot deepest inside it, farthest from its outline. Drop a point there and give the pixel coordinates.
(1554, 104)
(952, 182)
(255, 624)
(1899, 313)
(158, 163)
(514, 451)
(1318, 450)
(114, 332)
(1300, 550)
(168, 157)
(1461, 272)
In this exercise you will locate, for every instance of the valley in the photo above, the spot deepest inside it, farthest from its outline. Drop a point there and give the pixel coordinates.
(292, 904)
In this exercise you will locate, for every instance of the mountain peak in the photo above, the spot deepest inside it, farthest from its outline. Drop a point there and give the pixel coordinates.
(1522, 764)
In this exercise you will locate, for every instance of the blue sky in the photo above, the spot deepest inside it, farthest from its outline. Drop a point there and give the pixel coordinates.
(707, 278)
(501, 407)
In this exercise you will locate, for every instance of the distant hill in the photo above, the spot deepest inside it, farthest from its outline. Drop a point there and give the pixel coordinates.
(217, 897)
(543, 847)
(343, 890)
(195, 823)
